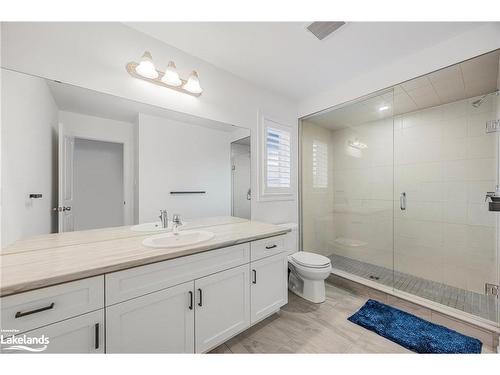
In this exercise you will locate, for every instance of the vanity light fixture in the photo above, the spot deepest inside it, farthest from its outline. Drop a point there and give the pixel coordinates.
(171, 77)
(193, 84)
(146, 68)
(146, 71)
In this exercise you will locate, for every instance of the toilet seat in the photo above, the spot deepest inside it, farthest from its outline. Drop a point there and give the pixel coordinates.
(310, 260)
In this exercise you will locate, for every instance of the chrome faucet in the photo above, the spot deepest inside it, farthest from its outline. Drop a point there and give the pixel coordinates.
(176, 223)
(164, 219)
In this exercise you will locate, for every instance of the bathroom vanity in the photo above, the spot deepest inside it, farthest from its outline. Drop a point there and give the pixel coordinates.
(104, 291)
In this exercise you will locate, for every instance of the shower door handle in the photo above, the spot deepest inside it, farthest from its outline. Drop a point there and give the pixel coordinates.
(402, 201)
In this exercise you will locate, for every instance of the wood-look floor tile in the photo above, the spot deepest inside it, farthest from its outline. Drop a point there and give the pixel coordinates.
(304, 327)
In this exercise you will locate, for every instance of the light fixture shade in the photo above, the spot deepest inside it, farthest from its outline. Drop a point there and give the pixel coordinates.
(193, 84)
(171, 77)
(146, 68)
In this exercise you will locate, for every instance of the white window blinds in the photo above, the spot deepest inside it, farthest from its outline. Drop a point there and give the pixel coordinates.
(277, 158)
(320, 164)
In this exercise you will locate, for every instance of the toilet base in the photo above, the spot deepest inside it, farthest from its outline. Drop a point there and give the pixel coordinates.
(311, 290)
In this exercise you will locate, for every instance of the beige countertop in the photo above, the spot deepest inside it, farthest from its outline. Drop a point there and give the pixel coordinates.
(58, 258)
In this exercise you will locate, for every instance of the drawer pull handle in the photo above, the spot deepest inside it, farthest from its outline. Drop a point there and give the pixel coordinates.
(20, 314)
(254, 277)
(97, 335)
(201, 298)
(271, 247)
(190, 300)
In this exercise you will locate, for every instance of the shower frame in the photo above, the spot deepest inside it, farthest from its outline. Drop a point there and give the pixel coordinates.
(427, 303)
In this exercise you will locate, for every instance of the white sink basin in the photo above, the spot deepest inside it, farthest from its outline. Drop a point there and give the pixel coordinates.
(182, 238)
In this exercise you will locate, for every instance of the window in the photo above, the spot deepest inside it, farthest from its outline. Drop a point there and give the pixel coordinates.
(320, 164)
(276, 161)
(277, 158)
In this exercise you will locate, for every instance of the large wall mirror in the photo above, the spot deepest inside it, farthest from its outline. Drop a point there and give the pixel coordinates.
(74, 159)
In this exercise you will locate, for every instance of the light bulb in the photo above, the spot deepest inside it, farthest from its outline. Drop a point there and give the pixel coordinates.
(193, 84)
(146, 68)
(171, 77)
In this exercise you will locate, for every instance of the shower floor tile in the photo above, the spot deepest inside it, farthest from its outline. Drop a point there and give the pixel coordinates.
(464, 300)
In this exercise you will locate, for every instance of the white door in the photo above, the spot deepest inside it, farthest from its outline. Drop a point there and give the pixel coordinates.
(241, 185)
(222, 307)
(66, 188)
(160, 322)
(269, 286)
(83, 334)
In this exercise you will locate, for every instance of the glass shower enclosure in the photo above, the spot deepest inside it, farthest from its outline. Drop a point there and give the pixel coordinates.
(396, 186)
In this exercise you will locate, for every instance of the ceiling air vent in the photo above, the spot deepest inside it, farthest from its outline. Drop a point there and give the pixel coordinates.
(322, 29)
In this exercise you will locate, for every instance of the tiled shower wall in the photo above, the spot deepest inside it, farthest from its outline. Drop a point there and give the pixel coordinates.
(444, 161)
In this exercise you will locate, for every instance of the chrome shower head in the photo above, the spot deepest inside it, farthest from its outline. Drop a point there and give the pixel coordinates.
(477, 103)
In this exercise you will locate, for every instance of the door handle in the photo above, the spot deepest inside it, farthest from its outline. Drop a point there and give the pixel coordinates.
(20, 314)
(200, 303)
(190, 300)
(254, 281)
(402, 201)
(96, 336)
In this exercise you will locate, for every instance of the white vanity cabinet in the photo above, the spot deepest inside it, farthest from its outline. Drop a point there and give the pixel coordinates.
(189, 304)
(222, 307)
(70, 315)
(269, 286)
(160, 322)
(82, 334)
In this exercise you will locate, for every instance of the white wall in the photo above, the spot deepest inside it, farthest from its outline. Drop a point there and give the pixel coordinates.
(98, 128)
(29, 157)
(98, 174)
(177, 156)
(464, 46)
(93, 55)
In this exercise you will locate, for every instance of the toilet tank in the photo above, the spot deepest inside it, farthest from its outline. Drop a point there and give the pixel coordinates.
(291, 238)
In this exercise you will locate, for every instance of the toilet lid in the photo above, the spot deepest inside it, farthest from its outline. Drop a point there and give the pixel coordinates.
(310, 259)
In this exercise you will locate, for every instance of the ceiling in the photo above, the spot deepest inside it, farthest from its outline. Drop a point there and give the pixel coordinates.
(93, 103)
(284, 57)
(468, 79)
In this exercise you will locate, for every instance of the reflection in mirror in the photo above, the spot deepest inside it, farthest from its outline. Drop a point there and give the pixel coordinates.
(75, 159)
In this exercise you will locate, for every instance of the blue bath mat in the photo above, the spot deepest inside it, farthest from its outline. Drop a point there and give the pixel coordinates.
(412, 332)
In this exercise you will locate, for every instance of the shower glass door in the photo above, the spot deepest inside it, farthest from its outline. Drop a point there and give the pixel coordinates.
(393, 188)
(445, 237)
(347, 187)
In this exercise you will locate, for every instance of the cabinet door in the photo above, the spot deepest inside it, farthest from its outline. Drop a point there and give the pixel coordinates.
(269, 286)
(83, 334)
(160, 322)
(222, 306)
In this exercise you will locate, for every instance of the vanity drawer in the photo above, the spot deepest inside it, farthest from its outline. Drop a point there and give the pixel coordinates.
(267, 247)
(36, 308)
(135, 282)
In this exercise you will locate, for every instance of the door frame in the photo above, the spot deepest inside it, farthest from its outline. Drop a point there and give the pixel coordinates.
(128, 207)
(232, 174)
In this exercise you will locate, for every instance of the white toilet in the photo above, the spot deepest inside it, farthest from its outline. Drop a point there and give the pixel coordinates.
(307, 271)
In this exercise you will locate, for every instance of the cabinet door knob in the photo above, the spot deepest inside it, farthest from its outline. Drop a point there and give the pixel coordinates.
(271, 247)
(254, 281)
(200, 303)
